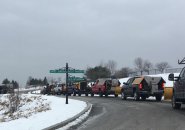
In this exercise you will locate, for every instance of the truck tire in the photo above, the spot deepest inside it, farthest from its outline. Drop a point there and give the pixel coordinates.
(123, 96)
(92, 94)
(158, 98)
(116, 95)
(136, 96)
(100, 94)
(143, 98)
(106, 95)
(174, 104)
(74, 94)
(79, 94)
(86, 94)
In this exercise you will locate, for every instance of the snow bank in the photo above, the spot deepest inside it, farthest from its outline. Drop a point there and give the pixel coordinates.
(122, 80)
(58, 113)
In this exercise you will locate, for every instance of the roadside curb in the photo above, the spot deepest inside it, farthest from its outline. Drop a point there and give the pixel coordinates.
(166, 101)
(62, 124)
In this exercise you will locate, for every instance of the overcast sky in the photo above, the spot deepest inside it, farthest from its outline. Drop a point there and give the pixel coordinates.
(39, 35)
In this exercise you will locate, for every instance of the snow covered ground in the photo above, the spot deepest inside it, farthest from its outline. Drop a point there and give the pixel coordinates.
(32, 117)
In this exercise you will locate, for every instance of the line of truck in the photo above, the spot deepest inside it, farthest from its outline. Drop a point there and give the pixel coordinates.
(140, 87)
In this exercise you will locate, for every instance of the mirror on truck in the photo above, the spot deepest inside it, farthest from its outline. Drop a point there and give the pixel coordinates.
(171, 77)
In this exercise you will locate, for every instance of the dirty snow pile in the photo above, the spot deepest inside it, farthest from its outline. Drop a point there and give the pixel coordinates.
(37, 112)
(28, 105)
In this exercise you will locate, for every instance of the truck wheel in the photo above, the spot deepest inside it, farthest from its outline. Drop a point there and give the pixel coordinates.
(92, 94)
(86, 94)
(116, 95)
(74, 94)
(123, 96)
(136, 96)
(143, 98)
(174, 104)
(100, 94)
(79, 94)
(106, 95)
(158, 98)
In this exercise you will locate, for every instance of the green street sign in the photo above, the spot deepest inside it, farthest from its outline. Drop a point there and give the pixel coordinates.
(76, 79)
(64, 71)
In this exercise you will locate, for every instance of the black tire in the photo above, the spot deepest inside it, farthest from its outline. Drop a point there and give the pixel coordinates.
(86, 94)
(74, 94)
(79, 94)
(106, 95)
(92, 94)
(174, 104)
(100, 94)
(143, 98)
(123, 96)
(158, 98)
(116, 95)
(136, 96)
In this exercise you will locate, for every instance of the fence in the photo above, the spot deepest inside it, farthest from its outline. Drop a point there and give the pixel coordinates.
(155, 71)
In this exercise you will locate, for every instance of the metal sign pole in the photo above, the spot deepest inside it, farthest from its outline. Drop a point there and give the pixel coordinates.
(67, 83)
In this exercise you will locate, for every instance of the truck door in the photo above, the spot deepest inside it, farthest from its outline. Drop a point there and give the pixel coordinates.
(130, 88)
(181, 85)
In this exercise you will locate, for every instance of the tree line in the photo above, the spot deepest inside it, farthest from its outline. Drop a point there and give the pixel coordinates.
(13, 82)
(108, 70)
(35, 81)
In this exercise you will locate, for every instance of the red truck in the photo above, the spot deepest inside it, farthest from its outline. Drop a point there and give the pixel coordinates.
(106, 87)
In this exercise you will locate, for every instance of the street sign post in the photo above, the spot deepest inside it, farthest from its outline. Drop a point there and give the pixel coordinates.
(76, 79)
(64, 71)
(68, 70)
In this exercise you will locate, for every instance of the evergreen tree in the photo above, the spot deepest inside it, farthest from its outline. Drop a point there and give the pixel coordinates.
(98, 72)
(6, 81)
(45, 81)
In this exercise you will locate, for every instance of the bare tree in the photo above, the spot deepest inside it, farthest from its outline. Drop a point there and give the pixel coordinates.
(111, 65)
(147, 66)
(122, 73)
(139, 63)
(162, 66)
(14, 99)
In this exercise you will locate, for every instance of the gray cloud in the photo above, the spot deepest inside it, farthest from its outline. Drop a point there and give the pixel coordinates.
(36, 36)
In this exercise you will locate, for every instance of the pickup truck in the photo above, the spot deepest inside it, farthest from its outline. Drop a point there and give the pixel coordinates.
(81, 88)
(106, 87)
(144, 87)
(178, 97)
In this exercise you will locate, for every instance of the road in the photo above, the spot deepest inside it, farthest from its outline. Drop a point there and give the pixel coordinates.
(115, 114)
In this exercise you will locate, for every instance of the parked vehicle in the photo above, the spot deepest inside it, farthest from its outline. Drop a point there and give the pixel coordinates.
(178, 97)
(144, 87)
(48, 89)
(82, 88)
(58, 89)
(69, 90)
(106, 87)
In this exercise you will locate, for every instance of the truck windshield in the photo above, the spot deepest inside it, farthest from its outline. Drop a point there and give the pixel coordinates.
(182, 74)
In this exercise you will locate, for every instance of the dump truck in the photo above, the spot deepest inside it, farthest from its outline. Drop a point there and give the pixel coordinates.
(106, 86)
(143, 87)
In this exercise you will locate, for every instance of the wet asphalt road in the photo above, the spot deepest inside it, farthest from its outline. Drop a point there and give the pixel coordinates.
(116, 114)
